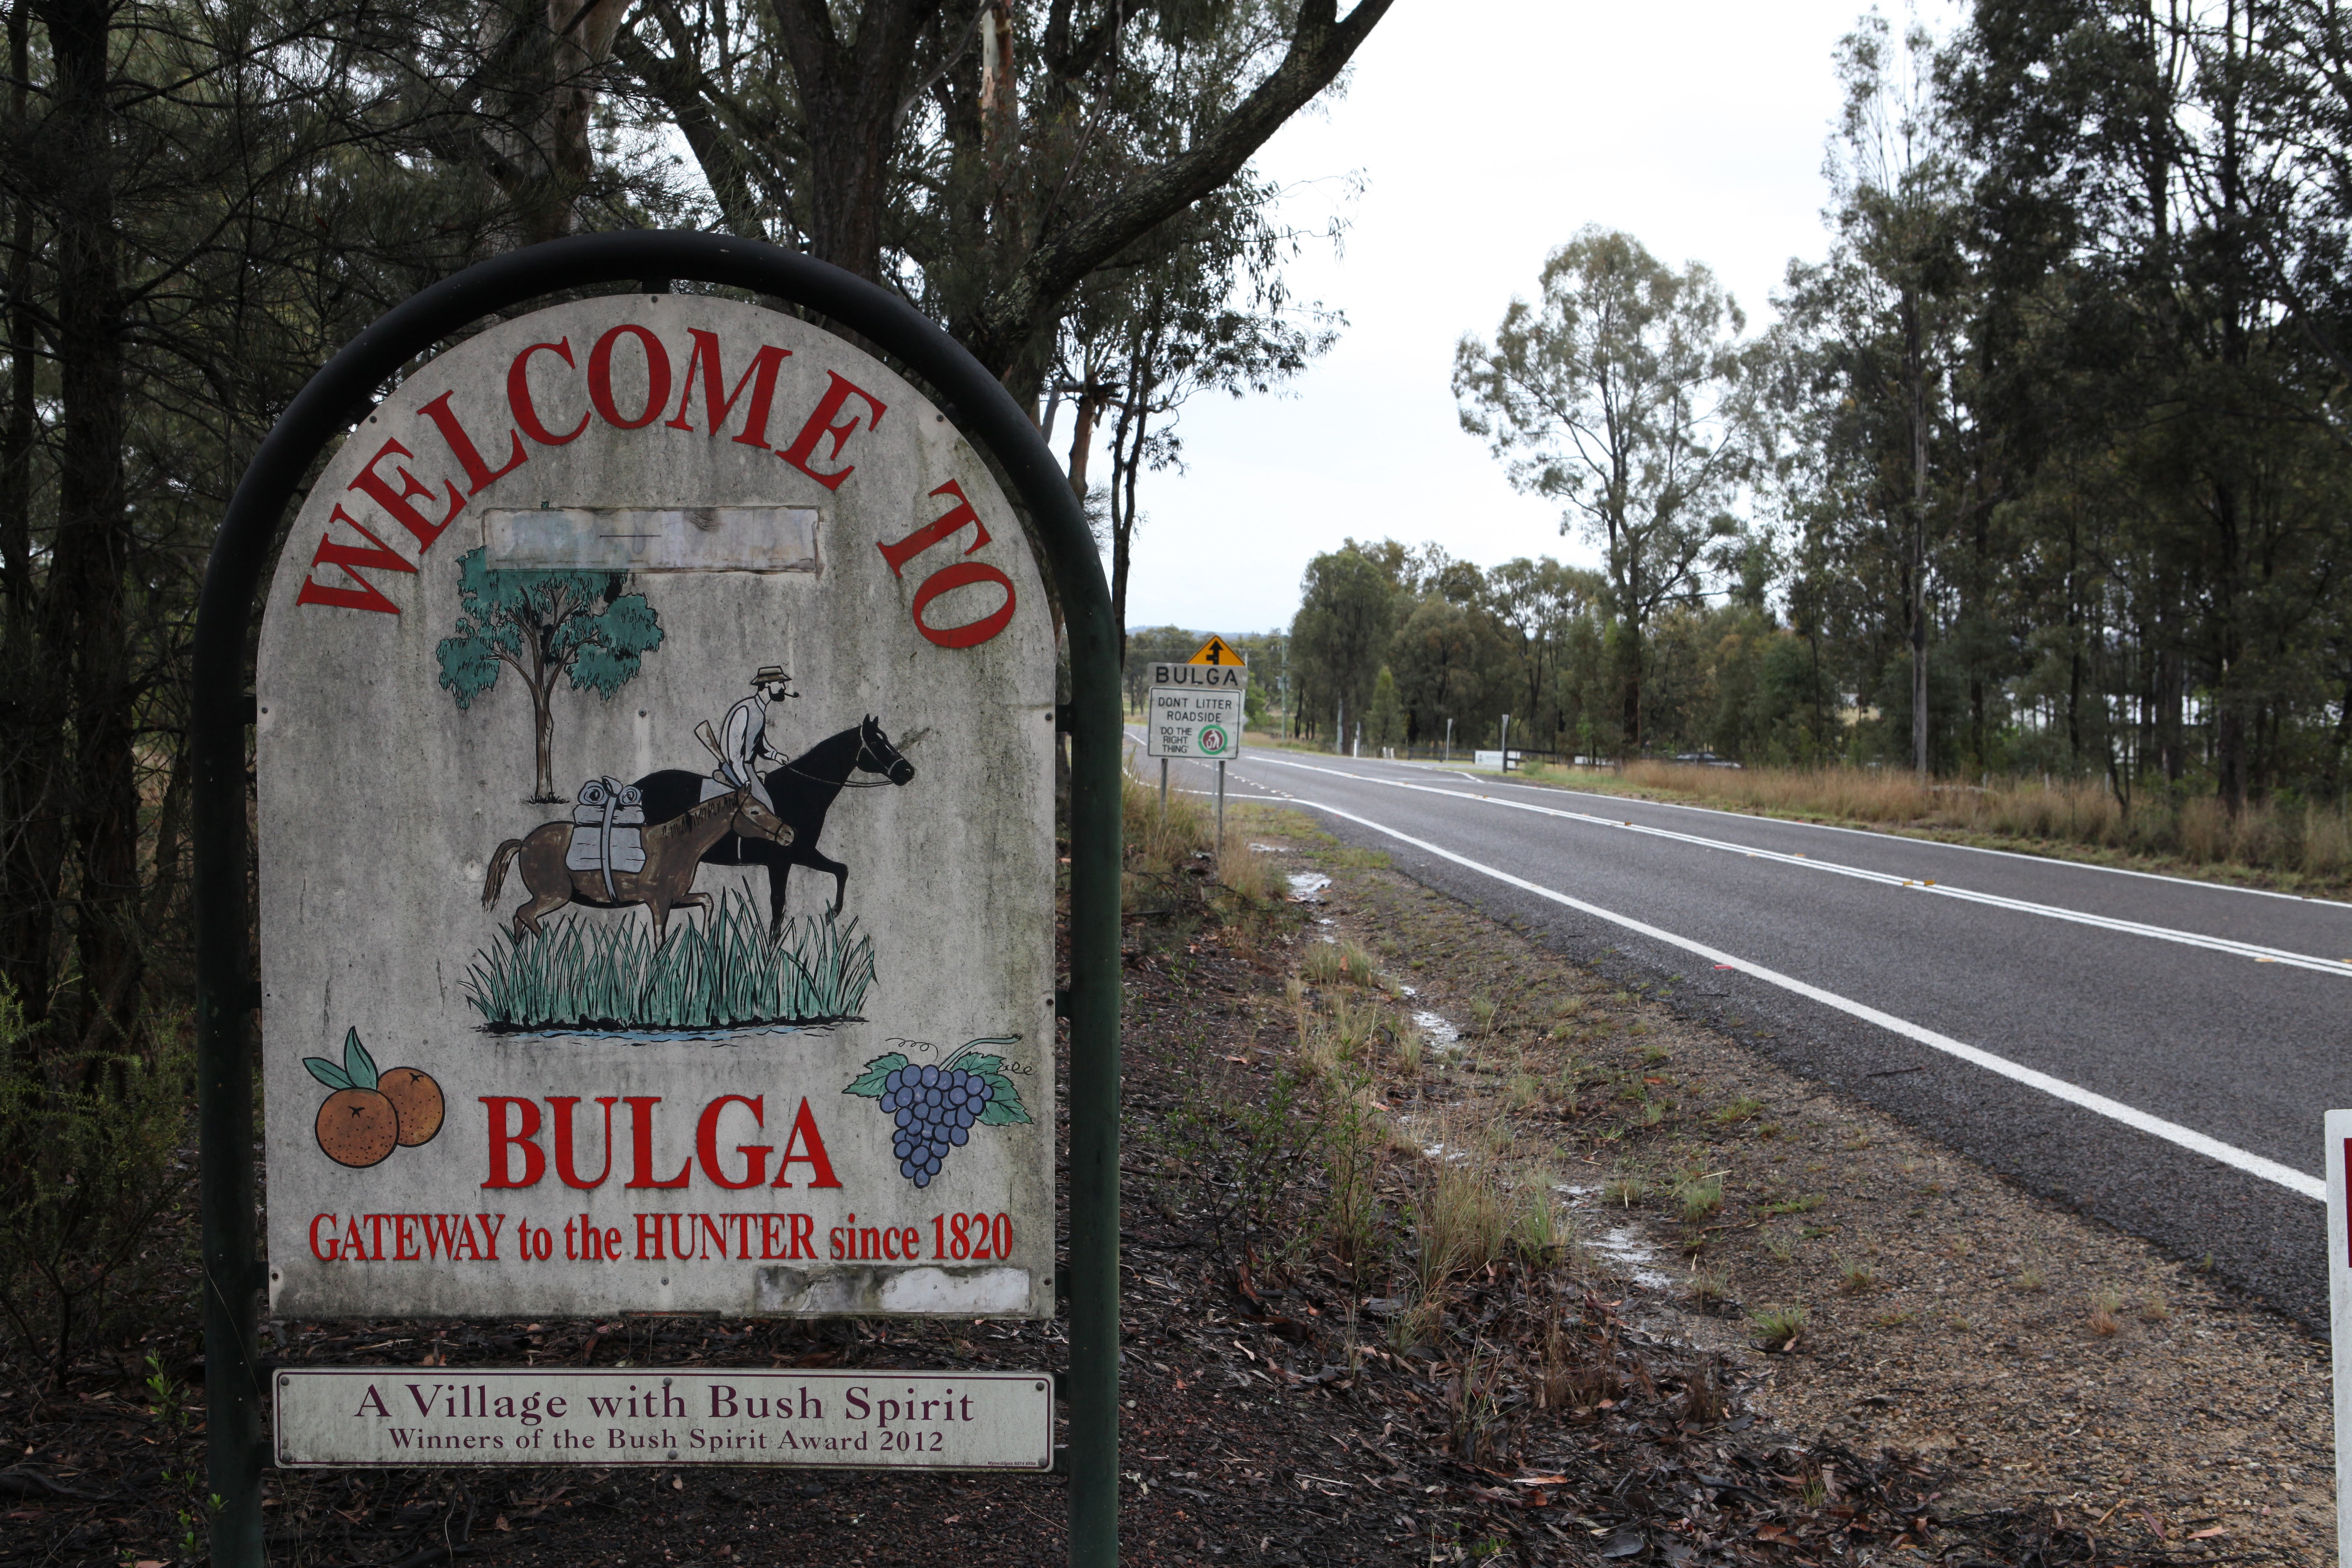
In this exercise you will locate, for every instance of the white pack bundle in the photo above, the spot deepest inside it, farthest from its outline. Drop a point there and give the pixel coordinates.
(605, 830)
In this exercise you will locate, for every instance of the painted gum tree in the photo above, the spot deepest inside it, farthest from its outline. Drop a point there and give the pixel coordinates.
(546, 625)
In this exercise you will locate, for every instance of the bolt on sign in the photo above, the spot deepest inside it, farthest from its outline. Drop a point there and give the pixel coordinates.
(655, 717)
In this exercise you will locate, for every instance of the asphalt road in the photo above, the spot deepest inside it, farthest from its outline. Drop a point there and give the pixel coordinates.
(2154, 1052)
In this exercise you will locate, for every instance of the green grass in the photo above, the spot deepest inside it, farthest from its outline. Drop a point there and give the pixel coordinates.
(719, 970)
(1778, 1328)
(1804, 1203)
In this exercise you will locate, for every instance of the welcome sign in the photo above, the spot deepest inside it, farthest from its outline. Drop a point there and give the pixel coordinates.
(655, 726)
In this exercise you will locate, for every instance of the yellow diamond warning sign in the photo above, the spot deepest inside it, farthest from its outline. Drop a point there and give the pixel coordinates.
(1217, 650)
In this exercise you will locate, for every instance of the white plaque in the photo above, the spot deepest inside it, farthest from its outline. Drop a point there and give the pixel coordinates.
(670, 538)
(461, 1415)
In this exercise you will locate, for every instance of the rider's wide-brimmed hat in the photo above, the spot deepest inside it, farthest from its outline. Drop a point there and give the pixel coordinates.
(769, 672)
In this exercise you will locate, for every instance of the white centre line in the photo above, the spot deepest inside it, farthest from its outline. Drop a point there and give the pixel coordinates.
(2172, 1133)
(2255, 951)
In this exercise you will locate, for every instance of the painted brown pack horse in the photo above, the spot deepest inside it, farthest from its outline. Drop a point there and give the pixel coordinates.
(674, 852)
(803, 790)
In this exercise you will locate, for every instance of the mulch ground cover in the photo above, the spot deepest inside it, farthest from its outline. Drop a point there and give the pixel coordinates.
(1280, 1406)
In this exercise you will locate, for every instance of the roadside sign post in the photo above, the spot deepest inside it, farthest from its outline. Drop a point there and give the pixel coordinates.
(1195, 710)
(495, 1086)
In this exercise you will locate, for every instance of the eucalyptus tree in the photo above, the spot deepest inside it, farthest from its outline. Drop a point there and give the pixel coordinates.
(1346, 611)
(2167, 184)
(1625, 393)
(1204, 309)
(986, 158)
(1897, 187)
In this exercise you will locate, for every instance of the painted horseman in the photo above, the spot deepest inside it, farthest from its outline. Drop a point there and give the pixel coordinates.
(743, 743)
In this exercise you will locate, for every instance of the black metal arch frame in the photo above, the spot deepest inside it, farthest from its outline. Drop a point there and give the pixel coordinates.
(227, 992)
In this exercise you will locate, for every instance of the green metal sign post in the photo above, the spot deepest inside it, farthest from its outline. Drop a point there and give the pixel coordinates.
(341, 395)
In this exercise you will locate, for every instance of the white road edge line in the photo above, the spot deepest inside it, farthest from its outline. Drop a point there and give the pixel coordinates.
(2139, 1121)
(2256, 950)
(1880, 833)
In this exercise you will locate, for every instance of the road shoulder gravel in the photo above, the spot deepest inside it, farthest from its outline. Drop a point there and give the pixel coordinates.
(2024, 1352)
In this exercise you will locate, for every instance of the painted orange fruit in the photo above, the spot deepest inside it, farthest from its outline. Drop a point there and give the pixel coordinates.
(418, 1098)
(358, 1126)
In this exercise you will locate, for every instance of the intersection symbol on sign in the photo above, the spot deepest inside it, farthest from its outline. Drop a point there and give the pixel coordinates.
(1217, 650)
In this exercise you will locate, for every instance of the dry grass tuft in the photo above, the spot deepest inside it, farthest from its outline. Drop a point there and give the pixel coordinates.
(1625, 1191)
(2312, 838)
(1701, 1198)
(1778, 1329)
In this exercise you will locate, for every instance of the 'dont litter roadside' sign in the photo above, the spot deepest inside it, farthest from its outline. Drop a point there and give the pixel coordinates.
(1196, 710)
(656, 714)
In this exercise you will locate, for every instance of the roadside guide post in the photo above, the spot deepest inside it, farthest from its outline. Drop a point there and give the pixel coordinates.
(1195, 710)
(456, 931)
(2336, 1160)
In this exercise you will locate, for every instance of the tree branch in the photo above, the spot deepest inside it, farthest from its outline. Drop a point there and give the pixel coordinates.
(1320, 46)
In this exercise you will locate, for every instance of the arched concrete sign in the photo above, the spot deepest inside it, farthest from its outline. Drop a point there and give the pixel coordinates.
(655, 720)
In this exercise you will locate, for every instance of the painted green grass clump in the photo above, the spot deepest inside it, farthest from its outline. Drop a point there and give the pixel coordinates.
(719, 970)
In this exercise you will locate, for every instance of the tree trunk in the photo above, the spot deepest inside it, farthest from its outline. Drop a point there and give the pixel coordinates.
(1915, 351)
(1122, 515)
(542, 732)
(538, 143)
(850, 93)
(31, 725)
(89, 612)
(1094, 396)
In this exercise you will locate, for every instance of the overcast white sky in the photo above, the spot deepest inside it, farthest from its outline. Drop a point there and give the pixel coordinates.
(1488, 132)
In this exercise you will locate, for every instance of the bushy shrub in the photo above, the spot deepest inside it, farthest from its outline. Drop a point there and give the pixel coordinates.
(96, 1162)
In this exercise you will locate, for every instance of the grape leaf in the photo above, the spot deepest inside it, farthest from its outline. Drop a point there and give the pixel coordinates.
(869, 1083)
(357, 1063)
(327, 1072)
(1004, 1107)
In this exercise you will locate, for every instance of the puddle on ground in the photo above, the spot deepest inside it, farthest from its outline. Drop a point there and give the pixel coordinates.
(1433, 1024)
(1307, 886)
(1267, 848)
(1622, 1245)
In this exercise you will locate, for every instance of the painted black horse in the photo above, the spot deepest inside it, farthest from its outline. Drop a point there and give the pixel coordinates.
(803, 791)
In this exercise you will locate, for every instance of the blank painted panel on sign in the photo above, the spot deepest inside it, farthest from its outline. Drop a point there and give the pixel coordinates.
(464, 1416)
(671, 539)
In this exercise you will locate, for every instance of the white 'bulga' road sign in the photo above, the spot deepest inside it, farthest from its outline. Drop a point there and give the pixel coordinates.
(656, 711)
(1196, 711)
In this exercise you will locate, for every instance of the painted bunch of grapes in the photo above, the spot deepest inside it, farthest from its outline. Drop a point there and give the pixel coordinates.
(935, 1108)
